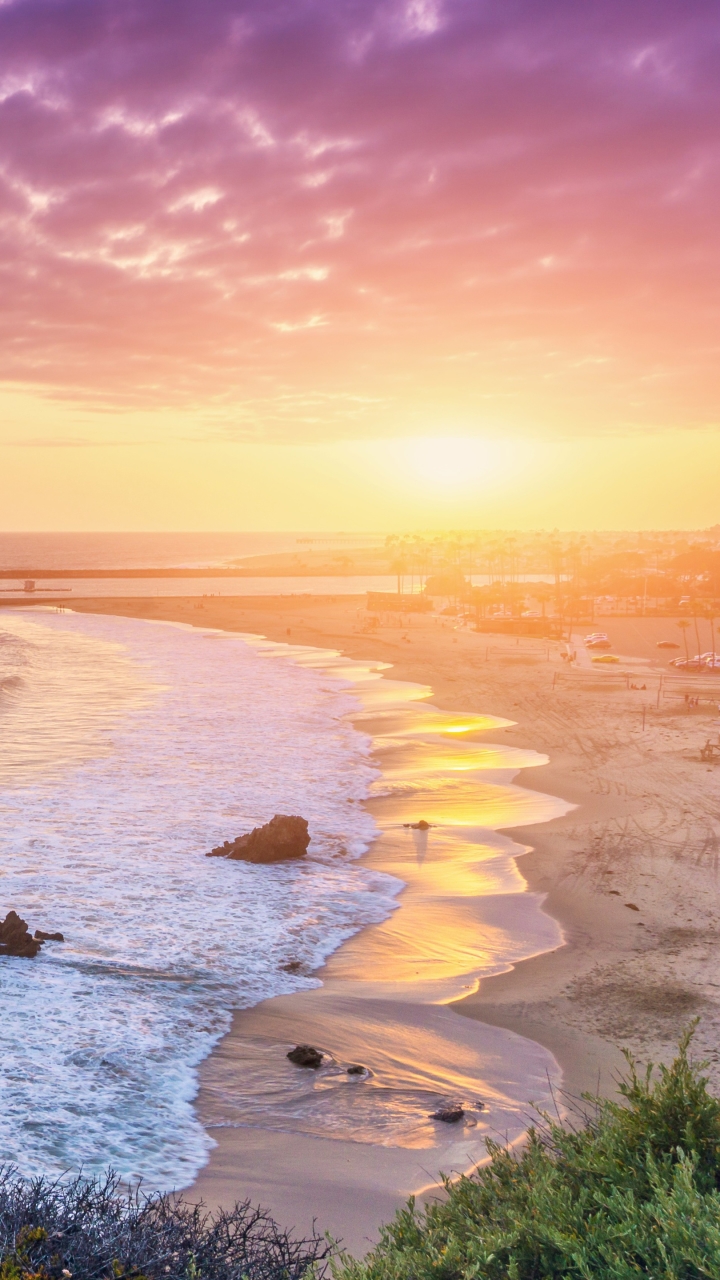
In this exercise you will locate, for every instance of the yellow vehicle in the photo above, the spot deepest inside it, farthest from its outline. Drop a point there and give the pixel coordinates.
(605, 657)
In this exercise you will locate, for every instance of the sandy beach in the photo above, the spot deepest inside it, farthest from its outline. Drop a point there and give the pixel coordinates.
(629, 873)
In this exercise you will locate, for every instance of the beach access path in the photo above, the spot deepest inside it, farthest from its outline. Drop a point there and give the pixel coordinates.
(631, 873)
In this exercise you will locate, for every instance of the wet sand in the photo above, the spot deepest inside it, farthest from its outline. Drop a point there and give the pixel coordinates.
(643, 835)
(386, 999)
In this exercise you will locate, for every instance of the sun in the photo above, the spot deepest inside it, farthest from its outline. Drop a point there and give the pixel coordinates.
(451, 462)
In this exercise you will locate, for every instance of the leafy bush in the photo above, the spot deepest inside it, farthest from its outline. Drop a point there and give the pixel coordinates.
(633, 1191)
(88, 1229)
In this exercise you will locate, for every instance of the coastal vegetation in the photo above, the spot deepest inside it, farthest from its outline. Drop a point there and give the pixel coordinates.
(632, 1189)
(90, 1229)
(561, 576)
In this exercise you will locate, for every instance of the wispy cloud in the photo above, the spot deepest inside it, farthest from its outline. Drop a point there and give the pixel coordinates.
(532, 182)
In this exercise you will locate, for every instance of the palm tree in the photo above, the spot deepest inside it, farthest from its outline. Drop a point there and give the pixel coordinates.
(399, 567)
(683, 625)
(542, 593)
(710, 611)
(697, 633)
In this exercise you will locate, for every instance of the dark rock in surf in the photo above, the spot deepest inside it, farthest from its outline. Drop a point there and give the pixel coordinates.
(15, 940)
(282, 838)
(422, 825)
(42, 936)
(293, 966)
(355, 1069)
(449, 1115)
(306, 1055)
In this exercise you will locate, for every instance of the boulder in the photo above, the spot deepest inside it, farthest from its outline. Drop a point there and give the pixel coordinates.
(283, 837)
(306, 1055)
(422, 825)
(15, 940)
(356, 1069)
(449, 1114)
(42, 936)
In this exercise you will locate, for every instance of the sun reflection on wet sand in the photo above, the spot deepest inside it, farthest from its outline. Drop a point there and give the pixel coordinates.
(385, 1001)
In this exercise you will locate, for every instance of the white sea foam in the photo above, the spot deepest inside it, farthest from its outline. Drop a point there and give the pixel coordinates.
(127, 750)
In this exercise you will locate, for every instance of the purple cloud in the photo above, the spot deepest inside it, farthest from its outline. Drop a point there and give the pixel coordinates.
(318, 217)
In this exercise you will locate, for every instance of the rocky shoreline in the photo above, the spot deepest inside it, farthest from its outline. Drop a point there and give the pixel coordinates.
(16, 939)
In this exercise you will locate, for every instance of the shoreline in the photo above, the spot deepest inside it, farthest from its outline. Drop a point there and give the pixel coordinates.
(622, 978)
(388, 993)
(374, 1006)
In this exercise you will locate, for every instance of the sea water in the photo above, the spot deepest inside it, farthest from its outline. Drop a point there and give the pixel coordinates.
(127, 751)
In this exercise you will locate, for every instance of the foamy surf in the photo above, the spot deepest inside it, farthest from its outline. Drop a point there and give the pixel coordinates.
(127, 750)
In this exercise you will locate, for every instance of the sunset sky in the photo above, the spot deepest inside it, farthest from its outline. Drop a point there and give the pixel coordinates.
(355, 264)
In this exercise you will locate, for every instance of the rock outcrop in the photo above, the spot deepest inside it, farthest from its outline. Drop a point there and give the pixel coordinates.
(306, 1055)
(283, 837)
(42, 936)
(15, 939)
(422, 825)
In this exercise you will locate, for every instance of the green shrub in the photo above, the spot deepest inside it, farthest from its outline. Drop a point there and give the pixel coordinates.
(633, 1191)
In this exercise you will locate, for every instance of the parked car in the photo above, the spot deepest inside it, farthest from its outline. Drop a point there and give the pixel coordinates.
(598, 644)
(605, 657)
(667, 644)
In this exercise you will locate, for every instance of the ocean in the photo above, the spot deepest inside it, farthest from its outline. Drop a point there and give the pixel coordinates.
(143, 550)
(127, 751)
(35, 552)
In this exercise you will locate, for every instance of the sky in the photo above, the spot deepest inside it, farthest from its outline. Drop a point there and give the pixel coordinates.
(359, 263)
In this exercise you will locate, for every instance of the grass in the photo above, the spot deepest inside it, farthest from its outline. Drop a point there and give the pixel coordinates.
(632, 1191)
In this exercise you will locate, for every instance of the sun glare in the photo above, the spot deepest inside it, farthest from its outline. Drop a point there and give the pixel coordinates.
(454, 462)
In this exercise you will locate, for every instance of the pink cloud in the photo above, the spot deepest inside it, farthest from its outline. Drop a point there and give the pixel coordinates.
(318, 212)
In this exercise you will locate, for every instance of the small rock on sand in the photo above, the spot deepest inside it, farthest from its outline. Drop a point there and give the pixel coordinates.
(306, 1055)
(450, 1114)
